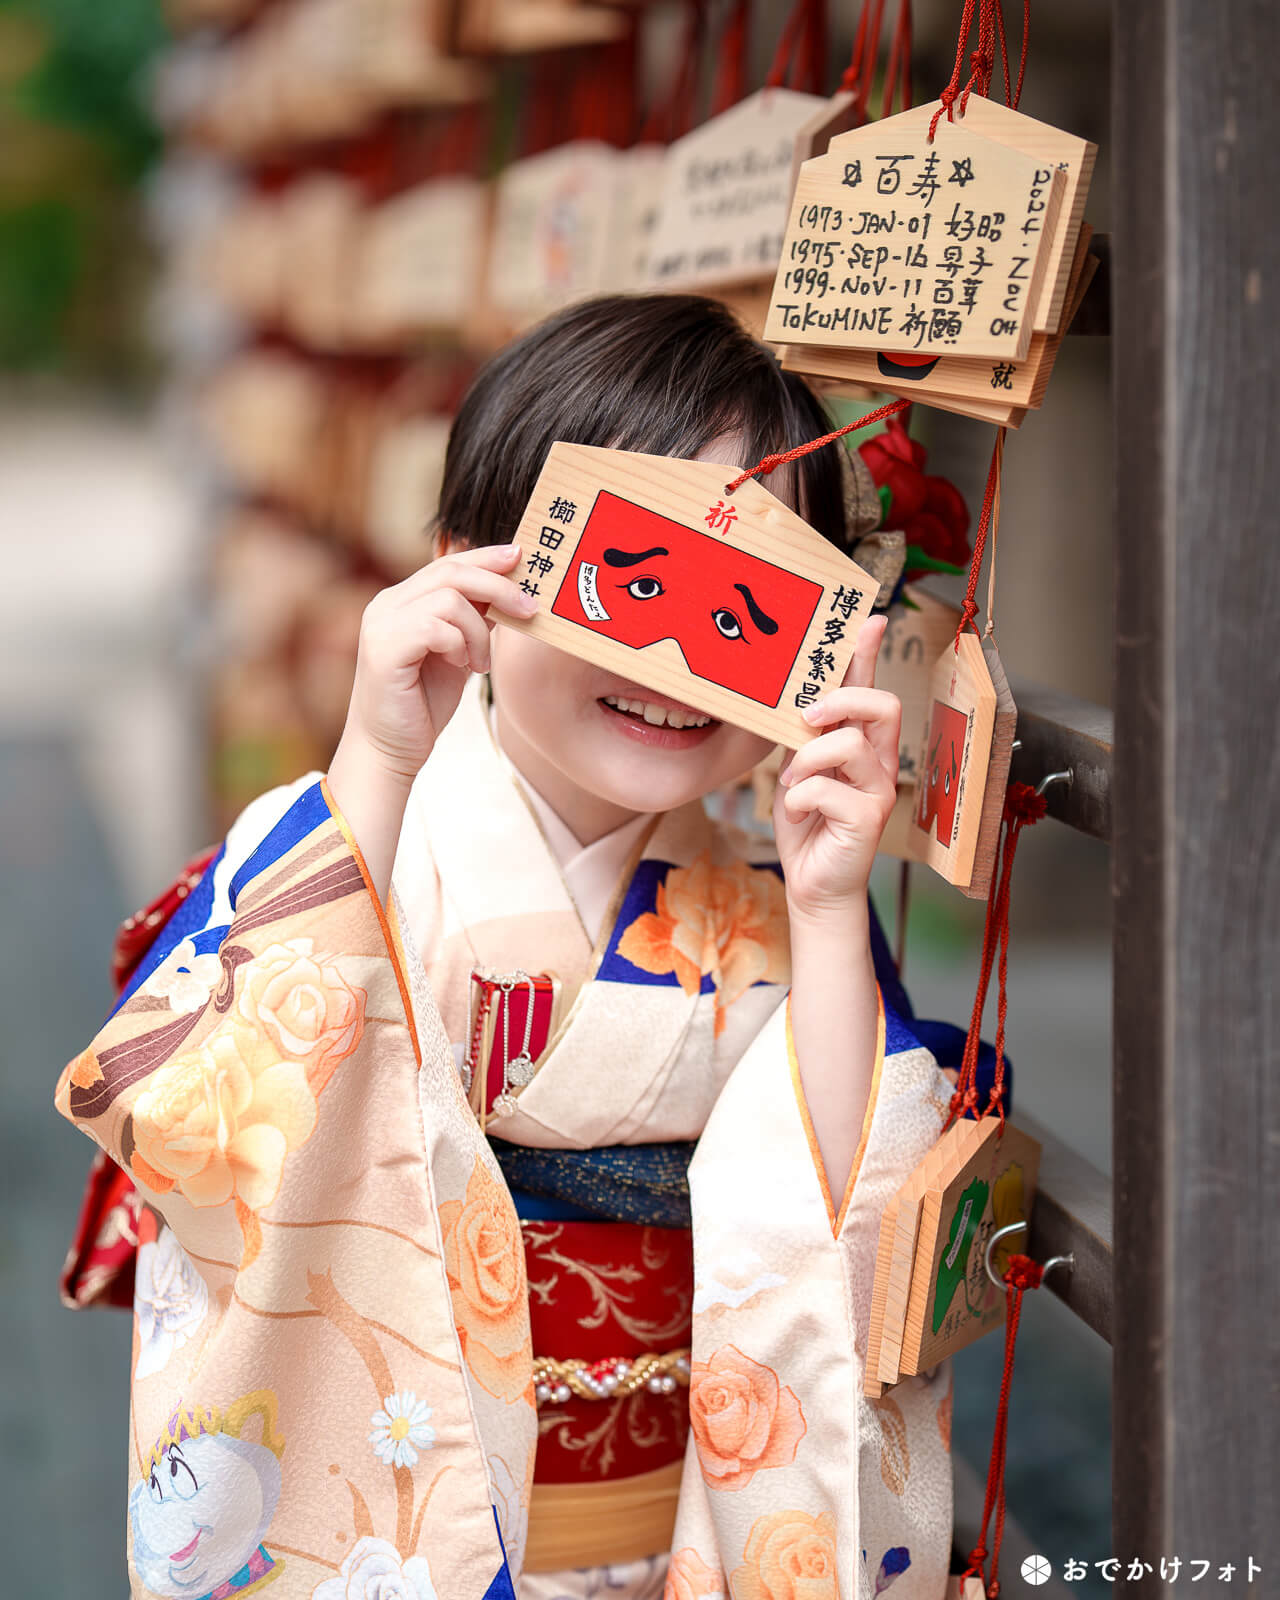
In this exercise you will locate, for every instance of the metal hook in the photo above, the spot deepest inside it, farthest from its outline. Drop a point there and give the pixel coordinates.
(1013, 1227)
(1066, 776)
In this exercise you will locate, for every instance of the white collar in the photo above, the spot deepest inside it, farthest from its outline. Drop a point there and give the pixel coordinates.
(590, 871)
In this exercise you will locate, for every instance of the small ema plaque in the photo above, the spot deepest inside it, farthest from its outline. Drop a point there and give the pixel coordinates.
(962, 767)
(931, 1295)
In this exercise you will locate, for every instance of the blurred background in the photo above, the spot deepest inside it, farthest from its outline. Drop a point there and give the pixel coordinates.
(250, 254)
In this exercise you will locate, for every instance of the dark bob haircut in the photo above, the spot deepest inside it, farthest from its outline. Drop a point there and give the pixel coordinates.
(663, 374)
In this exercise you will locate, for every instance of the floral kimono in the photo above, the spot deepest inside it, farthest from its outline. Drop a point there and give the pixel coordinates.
(358, 1312)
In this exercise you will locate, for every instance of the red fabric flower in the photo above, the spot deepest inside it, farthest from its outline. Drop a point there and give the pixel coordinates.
(930, 510)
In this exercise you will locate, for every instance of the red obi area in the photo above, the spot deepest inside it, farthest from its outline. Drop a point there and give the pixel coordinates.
(608, 1289)
(99, 1267)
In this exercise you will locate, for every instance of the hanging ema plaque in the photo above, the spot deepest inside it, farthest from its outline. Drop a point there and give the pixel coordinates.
(966, 745)
(931, 1295)
(726, 189)
(927, 247)
(728, 601)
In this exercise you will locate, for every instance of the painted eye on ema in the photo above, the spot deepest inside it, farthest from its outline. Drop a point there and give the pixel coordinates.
(645, 588)
(727, 622)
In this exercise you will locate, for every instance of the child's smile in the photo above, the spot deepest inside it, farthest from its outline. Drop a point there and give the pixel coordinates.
(656, 719)
(599, 747)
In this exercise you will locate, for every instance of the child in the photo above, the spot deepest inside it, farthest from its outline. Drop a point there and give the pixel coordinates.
(334, 1281)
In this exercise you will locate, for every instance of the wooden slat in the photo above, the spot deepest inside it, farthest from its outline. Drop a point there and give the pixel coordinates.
(1058, 731)
(1072, 1216)
(1196, 792)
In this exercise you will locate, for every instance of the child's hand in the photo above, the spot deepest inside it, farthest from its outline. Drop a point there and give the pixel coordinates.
(835, 794)
(418, 641)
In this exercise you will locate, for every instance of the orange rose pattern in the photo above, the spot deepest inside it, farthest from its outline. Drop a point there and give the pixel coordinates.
(217, 1122)
(743, 1420)
(211, 1127)
(484, 1258)
(689, 1577)
(790, 1555)
(729, 922)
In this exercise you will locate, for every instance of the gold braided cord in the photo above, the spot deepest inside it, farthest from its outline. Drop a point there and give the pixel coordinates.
(575, 1374)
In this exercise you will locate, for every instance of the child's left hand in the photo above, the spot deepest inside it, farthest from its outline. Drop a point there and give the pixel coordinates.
(835, 793)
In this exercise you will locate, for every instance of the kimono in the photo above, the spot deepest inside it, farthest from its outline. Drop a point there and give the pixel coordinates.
(343, 1283)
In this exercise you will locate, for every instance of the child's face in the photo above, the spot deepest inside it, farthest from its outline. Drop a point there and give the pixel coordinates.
(559, 708)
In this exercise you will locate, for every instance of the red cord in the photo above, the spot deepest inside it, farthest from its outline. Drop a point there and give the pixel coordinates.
(969, 608)
(671, 117)
(816, 66)
(991, 31)
(768, 464)
(1022, 807)
(780, 66)
(898, 72)
(799, 60)
(1012, 100)
(1021, 1274)
(731, 72)
(853, 72)
(952, 91)
(872, 56)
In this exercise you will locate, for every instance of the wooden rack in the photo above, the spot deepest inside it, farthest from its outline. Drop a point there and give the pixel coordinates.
(1184, 1278)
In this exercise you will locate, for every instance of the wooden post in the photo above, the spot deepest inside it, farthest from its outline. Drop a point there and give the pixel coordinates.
(1196, 864)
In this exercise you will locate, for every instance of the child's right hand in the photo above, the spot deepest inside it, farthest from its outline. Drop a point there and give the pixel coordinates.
(419, 640)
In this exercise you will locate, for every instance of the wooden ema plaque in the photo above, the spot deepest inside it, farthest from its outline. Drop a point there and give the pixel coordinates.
(916, 636)
(730, 603)
(402, 490)
(555, 222)
(417, 261)
(524, 27)
(932, 1295)
(838, 115)
(1051, 147)
(895, 243)
(639, 175)
(795, 359)
(965, 749)
(726, 190)
(974, 385)
(981, 1183)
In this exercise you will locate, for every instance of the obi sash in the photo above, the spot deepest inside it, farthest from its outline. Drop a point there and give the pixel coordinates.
(609, 1264)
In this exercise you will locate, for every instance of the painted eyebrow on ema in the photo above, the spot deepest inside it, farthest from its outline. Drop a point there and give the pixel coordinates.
(762, 619)
(624, 558)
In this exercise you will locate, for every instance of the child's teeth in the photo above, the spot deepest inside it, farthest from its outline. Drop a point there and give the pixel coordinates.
(656, 716)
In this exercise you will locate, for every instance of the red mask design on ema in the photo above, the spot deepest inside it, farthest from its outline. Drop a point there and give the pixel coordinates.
(638, 577)
(940, 784)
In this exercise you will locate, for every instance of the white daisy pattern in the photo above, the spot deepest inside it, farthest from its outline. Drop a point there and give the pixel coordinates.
(401, 1428)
